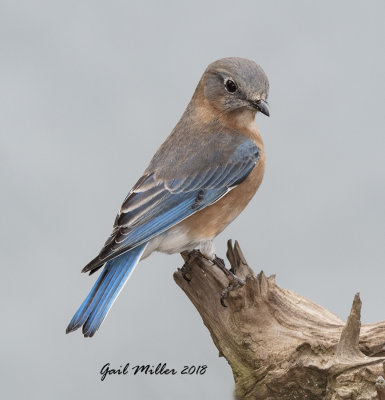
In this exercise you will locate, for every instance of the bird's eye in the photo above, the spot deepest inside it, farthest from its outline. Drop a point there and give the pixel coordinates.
(231, 87)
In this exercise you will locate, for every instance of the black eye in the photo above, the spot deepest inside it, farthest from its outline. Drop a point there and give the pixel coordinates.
(231, 87)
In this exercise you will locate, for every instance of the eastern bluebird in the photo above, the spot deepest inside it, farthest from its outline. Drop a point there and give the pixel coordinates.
(199, 180)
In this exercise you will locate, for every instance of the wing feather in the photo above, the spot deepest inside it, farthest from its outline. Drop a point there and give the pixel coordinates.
(154, 205)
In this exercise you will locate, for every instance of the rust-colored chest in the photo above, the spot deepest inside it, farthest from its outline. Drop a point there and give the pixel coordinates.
(209, 222)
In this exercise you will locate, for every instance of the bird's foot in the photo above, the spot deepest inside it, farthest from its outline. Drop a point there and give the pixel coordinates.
(235, 282)
(187, 266)
(234, 285)
(220, 263)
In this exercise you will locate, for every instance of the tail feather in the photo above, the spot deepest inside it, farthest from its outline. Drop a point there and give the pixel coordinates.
(106, 289)
(99, 312)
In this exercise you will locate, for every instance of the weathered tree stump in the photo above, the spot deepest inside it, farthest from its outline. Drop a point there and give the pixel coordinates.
(279, 344)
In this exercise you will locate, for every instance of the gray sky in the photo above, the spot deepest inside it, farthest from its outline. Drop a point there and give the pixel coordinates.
(89, 90)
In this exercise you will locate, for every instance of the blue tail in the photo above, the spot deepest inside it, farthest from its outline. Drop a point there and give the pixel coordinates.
(105, 291)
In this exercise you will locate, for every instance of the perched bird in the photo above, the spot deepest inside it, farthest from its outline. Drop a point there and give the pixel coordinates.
(199, 180)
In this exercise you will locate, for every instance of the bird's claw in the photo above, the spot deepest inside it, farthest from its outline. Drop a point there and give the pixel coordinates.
(234, 285)
(186, 275)
(186, 269)
(219, 262)
(235, 282)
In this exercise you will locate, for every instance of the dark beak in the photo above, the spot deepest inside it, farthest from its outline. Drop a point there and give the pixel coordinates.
(262, 107)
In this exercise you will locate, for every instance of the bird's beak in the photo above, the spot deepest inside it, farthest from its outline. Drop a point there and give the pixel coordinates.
(261, 106)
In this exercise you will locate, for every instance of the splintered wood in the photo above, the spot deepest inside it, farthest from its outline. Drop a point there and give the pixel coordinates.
(279, 344)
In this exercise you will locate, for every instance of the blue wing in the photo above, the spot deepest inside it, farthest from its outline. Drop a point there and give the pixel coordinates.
(154, 205)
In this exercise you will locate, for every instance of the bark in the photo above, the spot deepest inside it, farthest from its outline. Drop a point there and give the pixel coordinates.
(279, 344)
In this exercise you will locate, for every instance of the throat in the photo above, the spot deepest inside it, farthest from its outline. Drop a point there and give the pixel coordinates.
(244, 121)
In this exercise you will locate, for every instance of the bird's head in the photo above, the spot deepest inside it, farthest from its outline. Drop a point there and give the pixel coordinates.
(232, 84)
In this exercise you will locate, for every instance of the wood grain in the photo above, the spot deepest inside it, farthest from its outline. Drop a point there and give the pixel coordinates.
(279, 344)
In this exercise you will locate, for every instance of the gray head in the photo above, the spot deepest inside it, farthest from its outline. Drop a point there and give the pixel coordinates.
(234, 83)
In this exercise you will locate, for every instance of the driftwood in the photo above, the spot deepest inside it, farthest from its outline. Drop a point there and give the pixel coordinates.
(279, 344)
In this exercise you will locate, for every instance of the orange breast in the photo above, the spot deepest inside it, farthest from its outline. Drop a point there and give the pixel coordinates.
(209, 222)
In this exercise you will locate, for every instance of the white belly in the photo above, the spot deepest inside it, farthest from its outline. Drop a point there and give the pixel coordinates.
(175, 240)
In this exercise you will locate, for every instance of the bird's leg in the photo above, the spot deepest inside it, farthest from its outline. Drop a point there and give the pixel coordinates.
(207, 249)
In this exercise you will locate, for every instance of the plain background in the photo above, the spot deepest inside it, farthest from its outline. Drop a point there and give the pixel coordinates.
(89, 90)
